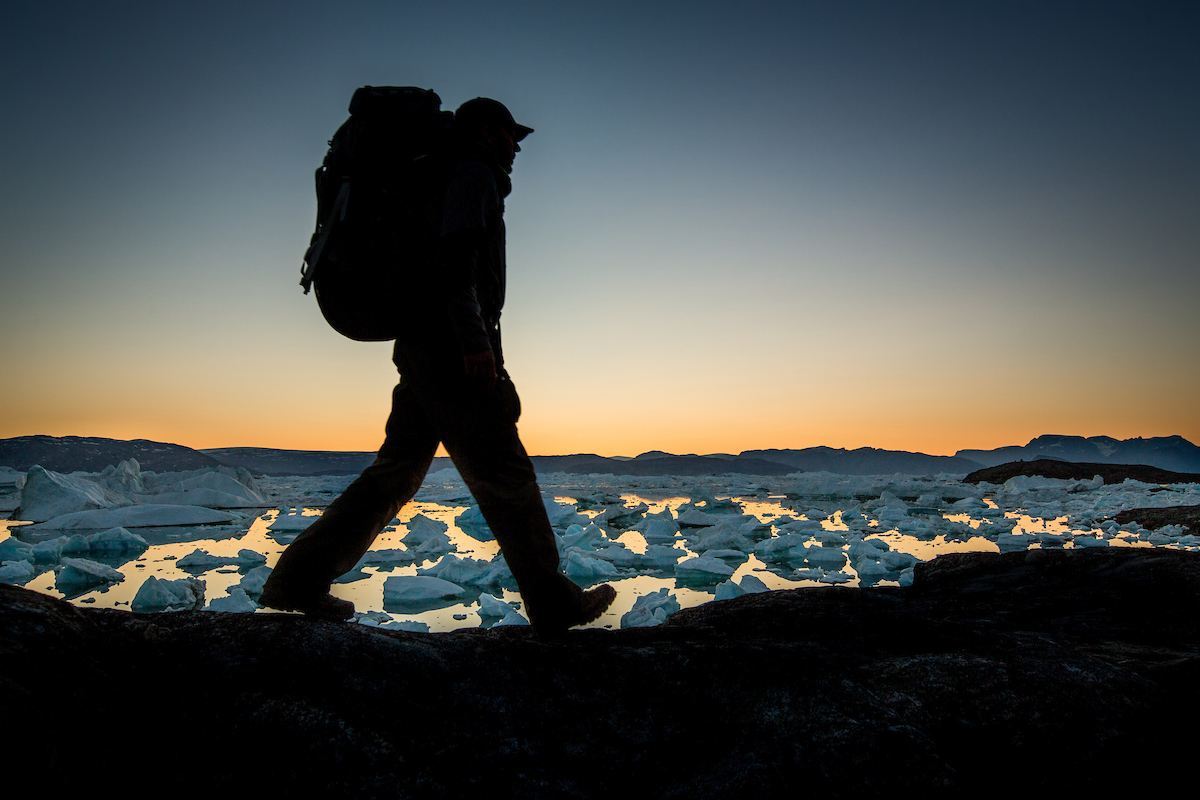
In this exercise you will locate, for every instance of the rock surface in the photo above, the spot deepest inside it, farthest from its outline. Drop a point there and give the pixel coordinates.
(1041, 671)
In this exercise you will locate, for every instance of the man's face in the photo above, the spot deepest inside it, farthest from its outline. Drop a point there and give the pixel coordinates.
(503, 146)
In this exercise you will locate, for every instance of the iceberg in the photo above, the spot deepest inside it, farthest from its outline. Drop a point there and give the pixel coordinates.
(79, 574)
(18, 573)
(585, 567)
(138, 516)
(15, 550)
(513, 617)
(47, 495)
(236, 602)
(252, 582)
(491, 606)
(458, 570)
(291, 520)
(116, 540)
(418, 588)
(472, 523)
(156, 594)
(421, 529)
(703, 568)
(650, 609)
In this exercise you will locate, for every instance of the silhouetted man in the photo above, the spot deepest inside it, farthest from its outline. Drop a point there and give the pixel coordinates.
(453, 389)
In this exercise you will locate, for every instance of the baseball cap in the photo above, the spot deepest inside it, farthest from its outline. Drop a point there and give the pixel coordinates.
(483, 110)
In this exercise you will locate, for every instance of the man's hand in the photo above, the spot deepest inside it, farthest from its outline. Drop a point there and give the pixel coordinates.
(481, 367)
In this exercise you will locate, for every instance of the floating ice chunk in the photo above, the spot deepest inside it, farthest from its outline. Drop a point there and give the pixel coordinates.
(418, 588)
(749, 585)
(560, 514)
(434, 546)
(472, 523)
(421, 529)
(459, 570)
(1088, 541)
(660, 527)
(237, 601)
(1053, 540)
(78, 574)
(252, 582)
(836, 577)
(788, 547)
(513, 617)
(247, 558)
(156, 594)
(49, 551)
(406, 625)
(752, 584)
(200, 561)
(650, 609)
(47, 495)
(492, 607)
(723, 537)
(139, 516)
(15, 550)
(906, 577)
(729, 555)
(661, 556)
(390, 557)
(585, 567)
(1013, 542)
(815, 514)
(18, 573)
(579, 537)
(702, 568)
(695, 518)
(372, 619)
(808, 573)
(618, 515)
(895, 561)
(832, 538)
(617, 554)
(292, 520)
(116, 540)
(727, 590)
(968, 504)
(825, 558)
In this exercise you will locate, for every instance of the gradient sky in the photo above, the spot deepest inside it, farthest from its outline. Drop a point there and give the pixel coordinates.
(905, 225)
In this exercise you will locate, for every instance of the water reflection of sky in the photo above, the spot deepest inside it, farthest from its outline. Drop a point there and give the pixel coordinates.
(168, 545)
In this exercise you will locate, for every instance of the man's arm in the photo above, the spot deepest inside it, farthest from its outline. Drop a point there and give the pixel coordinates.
(471, 198)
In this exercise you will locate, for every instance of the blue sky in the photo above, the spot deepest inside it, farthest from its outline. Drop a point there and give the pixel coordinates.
(920, 225)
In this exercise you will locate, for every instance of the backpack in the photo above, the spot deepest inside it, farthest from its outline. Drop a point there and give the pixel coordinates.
(379, 194)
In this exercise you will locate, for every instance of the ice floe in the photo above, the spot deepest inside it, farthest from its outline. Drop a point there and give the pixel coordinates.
(650, 609)
(156, 594)
(78, 574)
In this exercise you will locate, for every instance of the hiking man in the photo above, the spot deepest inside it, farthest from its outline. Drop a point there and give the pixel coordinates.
(453, 389)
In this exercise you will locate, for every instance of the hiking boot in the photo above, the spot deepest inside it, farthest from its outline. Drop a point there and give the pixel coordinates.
(324, 606)
(593, 603)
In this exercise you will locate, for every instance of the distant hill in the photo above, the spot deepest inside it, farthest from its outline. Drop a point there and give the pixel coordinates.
(89, 453)
(93, 453)
(864, 461)
(268, 461)
(1168, 452)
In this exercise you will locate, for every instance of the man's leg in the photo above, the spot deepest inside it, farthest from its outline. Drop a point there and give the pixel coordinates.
(489, 456)
(333, 544)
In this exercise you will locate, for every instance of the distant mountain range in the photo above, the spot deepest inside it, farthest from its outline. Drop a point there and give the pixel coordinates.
(1168, 452)
(77, 453)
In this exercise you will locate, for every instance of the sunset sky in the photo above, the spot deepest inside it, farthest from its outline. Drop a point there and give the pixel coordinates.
(925, 226)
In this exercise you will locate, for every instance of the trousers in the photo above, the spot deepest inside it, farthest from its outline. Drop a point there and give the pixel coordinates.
(434, 402)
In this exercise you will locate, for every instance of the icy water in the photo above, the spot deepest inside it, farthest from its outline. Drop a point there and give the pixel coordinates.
(921, 517)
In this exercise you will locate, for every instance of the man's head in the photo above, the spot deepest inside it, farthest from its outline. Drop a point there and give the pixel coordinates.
(490, 124)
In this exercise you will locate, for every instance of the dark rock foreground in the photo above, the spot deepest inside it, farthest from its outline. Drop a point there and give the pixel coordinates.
(1067, 672)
